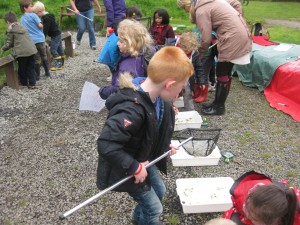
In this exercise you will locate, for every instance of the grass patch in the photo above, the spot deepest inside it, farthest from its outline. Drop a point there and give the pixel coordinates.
(109, 212)
(246, 138)
(6, 221)
(284, 34)
(173, 219)
(257, 11)
(266, 155)
(50, 184)
(23, 203)
(292, 173)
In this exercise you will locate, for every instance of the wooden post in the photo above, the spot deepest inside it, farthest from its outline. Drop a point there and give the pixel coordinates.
(67, 37)
(9, 64)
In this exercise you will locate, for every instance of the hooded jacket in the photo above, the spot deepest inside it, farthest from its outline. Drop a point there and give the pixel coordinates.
(233, 35)
(131, 135)
(160, 38)
(135, 65)
(19, 39)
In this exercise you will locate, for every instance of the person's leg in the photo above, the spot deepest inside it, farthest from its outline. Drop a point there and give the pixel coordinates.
(81, 22)
(30, 70)
(37, 60)
(149, 206)
(55, 44)
(157, 182)
(41, 47)
(203, 80)
(223, 71)
(22, 71)
(187, 98)
(90, 27)
(119, 9)
(61, 52)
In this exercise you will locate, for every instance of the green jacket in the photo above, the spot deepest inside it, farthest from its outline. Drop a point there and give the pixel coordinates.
(19, 39)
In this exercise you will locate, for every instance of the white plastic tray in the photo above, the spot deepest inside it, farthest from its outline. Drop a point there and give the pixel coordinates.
(182, 158)
(188, 119)
(202, 195)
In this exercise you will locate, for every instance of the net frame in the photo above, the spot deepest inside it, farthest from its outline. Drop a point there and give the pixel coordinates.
(205, 138)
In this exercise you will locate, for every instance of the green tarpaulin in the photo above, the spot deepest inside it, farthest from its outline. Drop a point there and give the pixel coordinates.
(264, 61)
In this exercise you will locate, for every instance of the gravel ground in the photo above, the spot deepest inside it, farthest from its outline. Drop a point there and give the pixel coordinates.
(49, 157)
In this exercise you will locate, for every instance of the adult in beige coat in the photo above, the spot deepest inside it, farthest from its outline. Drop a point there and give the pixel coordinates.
(234, 44)
(217, 16)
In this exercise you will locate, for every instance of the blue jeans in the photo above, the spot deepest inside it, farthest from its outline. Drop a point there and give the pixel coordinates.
(84, 23)
(149, 205)
(56, 48)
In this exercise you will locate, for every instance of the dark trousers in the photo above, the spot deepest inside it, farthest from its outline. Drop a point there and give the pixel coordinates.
(26, 70)
(56, 48)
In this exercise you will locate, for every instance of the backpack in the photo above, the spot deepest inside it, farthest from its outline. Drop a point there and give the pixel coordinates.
(258, 29)
(110, 53)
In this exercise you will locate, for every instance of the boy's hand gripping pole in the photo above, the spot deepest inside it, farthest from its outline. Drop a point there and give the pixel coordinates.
(66, 214)
(80, 14)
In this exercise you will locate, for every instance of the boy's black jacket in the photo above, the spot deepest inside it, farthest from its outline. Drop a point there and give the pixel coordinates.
(122, 147)
(50, 27)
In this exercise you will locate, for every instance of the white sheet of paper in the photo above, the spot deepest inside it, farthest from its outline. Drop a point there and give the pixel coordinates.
(90, 99)
(283, 47)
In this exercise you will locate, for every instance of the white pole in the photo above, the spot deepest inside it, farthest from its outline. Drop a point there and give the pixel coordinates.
(213, 45)
(63, 216)
(80, 14)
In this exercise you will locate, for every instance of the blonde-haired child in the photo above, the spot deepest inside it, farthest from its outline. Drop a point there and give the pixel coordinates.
(50, 28)
(220, 221)
(139, 129)
(133, 41)
(198, 82)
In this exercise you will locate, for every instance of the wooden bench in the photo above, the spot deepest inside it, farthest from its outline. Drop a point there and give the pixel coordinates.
(9, 64)
(64, 11)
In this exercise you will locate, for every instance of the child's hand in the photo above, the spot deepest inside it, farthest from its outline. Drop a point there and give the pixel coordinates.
(176, 109)
(141, 173)
(173, 150)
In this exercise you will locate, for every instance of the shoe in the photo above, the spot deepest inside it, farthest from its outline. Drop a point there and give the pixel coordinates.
(23, 84)
(218, 106)
(31, 87)
(211, 88)
(78, 42)
(197, 91)
(203, 94)
(63, 57)
(57, 64)
(93, 47)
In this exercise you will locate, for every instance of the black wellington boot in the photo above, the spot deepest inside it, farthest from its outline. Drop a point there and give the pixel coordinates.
(208, 105)
(37, 71)
(218, 106)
